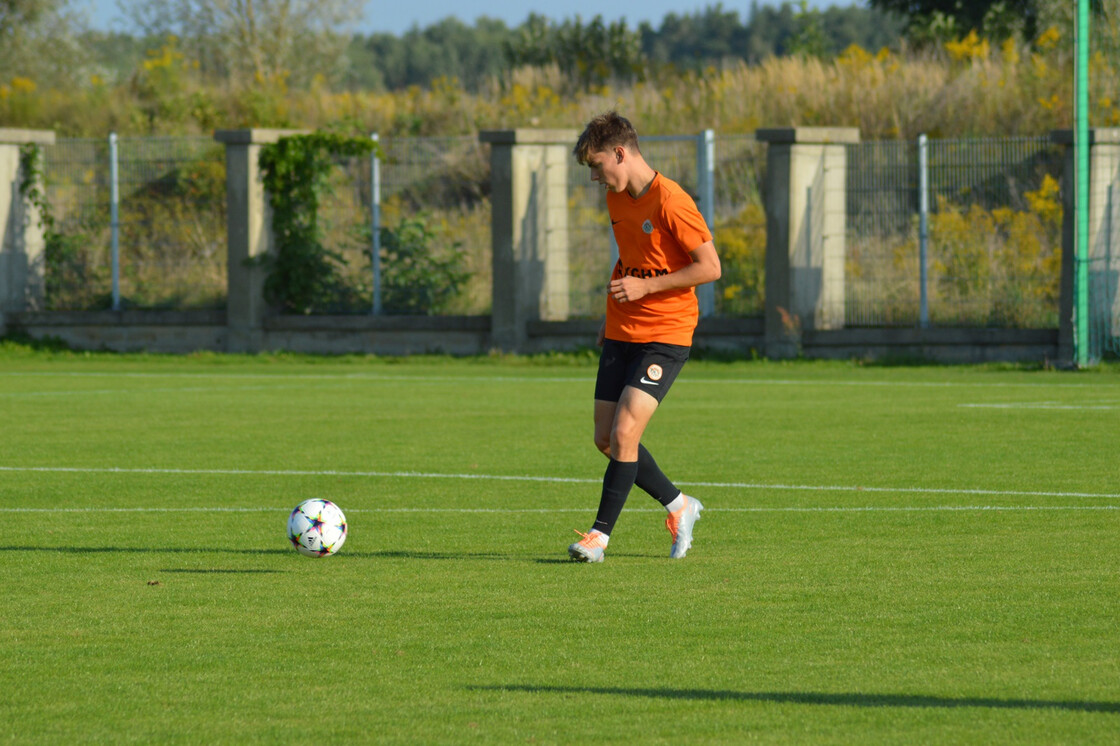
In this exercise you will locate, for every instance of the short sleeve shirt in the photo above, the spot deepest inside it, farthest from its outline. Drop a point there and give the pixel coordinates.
(655, 233)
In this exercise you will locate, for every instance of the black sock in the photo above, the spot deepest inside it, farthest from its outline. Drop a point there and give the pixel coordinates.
(617, 481)
(651, 479)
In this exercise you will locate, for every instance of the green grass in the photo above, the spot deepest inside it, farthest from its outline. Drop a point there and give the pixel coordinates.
(889, 555)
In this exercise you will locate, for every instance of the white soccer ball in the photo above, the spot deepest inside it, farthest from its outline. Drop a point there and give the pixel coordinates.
(317, 528)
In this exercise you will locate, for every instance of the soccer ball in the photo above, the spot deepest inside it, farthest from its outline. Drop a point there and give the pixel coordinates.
(317, 528)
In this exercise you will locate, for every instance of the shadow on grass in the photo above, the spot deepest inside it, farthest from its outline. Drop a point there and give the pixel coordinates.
(145, 550)
(821, 698)
(388, 554)
(410, 554)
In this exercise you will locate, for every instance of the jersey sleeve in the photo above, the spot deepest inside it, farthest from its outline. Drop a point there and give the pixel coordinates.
(684, 221)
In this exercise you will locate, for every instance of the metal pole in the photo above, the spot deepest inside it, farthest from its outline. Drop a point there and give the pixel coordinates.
(114, 220)
(923, 229)
(375, 250)
(1081, 180)
(1109, 333)
(706, 182)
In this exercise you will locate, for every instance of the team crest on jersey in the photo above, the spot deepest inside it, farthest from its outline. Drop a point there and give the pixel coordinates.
(647, 227)
(653, 372)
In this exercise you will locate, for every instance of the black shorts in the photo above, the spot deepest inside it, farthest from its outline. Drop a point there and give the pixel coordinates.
(651, 367)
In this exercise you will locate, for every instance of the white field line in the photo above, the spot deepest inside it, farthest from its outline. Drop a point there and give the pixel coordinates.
(1040, 405)
(160, 390)
(827, 509)
(558, 379)
(558, 480)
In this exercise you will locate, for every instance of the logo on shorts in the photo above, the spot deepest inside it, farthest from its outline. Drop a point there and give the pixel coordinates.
(647, 227)
(654, 372)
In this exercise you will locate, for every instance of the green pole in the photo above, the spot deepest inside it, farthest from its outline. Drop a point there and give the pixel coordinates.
(1081, 193)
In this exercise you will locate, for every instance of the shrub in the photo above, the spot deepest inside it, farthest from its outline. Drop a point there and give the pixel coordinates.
(420, 272)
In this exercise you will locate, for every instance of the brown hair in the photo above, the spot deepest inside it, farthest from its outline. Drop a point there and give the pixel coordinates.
(603, 133)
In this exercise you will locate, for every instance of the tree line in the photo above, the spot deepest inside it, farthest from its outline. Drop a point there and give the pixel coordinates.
(191, 66)
(47, 41)
(596, 51)
(303, 41)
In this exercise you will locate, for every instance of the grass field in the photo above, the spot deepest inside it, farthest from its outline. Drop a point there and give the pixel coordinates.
(889, 555)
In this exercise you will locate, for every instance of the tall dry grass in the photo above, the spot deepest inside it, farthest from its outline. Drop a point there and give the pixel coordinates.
(967, 88)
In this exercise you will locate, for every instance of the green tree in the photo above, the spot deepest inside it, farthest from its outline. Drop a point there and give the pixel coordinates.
(592, 53)
(713, 35)
(447, 49)
(938, 20)
(716, 36)
(810, 38)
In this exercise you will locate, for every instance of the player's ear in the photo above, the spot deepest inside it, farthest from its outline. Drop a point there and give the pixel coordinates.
(619, 152)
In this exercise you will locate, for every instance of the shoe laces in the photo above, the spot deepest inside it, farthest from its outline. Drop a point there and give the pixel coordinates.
(589, 540)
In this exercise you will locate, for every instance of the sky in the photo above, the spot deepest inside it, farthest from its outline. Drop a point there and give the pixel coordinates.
(398, 17)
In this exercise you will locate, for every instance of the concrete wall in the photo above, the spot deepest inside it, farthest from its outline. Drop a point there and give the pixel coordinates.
(805, 233)
(249, 234)
(528, 229)
(21, 237)
(183, 332)
(128, 331)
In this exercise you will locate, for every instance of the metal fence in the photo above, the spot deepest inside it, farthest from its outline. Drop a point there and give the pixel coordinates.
(992, 239)
(1104, 268)
(990, 251)
(410, 228)
(165, 213)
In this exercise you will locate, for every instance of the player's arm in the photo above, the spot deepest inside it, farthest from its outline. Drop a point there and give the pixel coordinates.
(705, 267)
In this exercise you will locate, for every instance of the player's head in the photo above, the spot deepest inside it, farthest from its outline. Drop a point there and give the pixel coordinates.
(606, 132)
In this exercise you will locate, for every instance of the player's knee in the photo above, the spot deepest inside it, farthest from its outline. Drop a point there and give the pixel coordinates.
(625, 433)
(623, 443)
(603, 442)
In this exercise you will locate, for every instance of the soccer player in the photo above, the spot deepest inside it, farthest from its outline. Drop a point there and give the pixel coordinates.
(664, 251)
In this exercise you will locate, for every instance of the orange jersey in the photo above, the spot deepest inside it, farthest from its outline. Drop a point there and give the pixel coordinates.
(656, 234)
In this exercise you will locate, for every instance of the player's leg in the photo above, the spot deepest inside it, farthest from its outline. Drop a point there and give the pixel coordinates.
(658, 369)
(654, 374)
(631, 415)
(604, 421)
(609, 384)
(634, 411)
(644, 373)
(650, 477)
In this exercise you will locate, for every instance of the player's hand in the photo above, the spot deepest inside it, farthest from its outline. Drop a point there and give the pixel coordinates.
(626, 289)
(602, 336)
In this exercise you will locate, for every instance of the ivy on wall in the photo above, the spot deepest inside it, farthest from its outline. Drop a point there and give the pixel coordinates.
(302, 273)
(63, 255)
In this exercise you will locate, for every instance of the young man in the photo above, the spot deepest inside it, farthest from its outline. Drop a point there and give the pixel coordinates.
(664, 251)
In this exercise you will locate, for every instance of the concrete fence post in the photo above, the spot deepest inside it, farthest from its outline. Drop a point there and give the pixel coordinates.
(1104, 170)
(22, 242)
(248, 233)
(529, 229)
(806, 204)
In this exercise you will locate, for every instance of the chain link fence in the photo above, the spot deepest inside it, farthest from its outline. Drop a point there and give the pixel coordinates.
(423, 210)
(994, 234)
(992, 252)
(171, 223)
